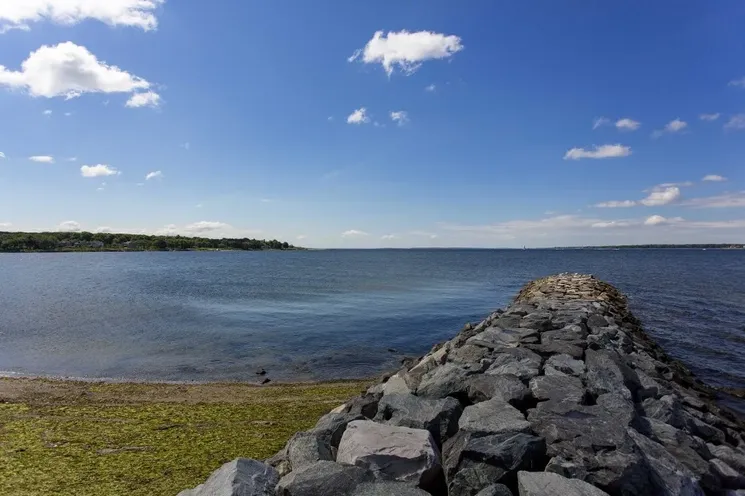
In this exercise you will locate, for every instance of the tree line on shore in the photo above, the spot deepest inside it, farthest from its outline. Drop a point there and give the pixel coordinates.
(87, 241)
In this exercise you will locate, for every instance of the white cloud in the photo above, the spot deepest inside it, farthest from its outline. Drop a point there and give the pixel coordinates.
(18, 14)
(738, 82)
(44, 159)
(626, 124)
(153, 175)
(301, 236)
(607, 224)
(68, 114)
(359, 116)
(69, 226)
(617, 204)
(431, 88)
(5, 225)
(206, 226)
(709, 117)
(353, 233)
(657, 220)
(674, 126)
(388, 236)
(714, 178)
(736, 122)
(599, 122)
(69, 70)
(100, 170)
(682, 184)
(47, 112)
(146, 99)
(425, 234)
(103, 229)
(72, 159)
(400, 117)
(726, 200)
(407, 50)
(661, 196)
(604, 151)
(2, 156)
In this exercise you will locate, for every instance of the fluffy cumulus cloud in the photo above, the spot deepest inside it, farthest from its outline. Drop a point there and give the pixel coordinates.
(146, 99)
(400, 117)
(353, 233)
(627, 124)
(42, 159)
(709, 117)
(69, 226)
(658, 220)
(736, 122)
(206, 226)
(100, 170)
(20, 14)
(714, 178)
(69, 70)
(603, 151)
(407, 50)
(672, 127)
(359, 116)
(663, 194)
(153, 175)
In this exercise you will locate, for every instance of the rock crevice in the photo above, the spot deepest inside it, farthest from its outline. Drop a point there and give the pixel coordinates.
(562, 392)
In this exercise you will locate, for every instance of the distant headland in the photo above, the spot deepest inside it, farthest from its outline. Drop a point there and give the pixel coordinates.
(21, 242)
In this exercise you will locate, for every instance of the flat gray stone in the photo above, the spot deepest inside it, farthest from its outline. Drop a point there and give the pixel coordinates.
(731, 478)
(670, 477)
(321, 479)
(446, 380)
(482, 387)
(307, 448)
(732, 457)
(678, 443)
(331, 426)
(239, 477)
(564, 364)
(438, 416)
(549, 484)
(391, 452)
(387, 488)
(573, 349)
(494, 416)
(396, 385)
(495, 490)
(496, 337)
(469, 354)
(558, 388)
(520, 362)
(604, 375)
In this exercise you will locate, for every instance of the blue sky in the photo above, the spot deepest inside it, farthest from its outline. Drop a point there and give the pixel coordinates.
(554, 123)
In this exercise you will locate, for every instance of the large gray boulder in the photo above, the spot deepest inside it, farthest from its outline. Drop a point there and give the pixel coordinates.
(520, 362)
(496, 337)
(321, 479)
(240, 477)
(438, 416)
(563, 364)
(306, 448)
(558, 388)
(482, 387)
(331, 426)
(604, 375)
(495, 490)
(495, 416)
(730, 478)
(391, 452)
(446, 380)
(548, 484)
(388, 488)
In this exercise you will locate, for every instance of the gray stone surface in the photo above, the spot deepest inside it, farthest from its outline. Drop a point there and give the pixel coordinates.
(520, 362)
(604, 375)
(438, 416)
(731, 456)
(482, 387)
(558, 388)
(548, 484)
(497, 337)
(306, 448)
(331, 426)
(322, 479)
(387, 488)
(391, 452)
(240, 477)
(365, 405)
(446, 380)
(396, 385)
(495, 490)
(564, 364)
(730, 478)
(494, 416)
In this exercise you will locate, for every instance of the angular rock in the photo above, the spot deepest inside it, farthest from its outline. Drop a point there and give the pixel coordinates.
(558, 388)
(307, 448)
(564, 364)
(482, 387)
(239, 477)
(396, 385)
(618, 406)
(679, 444)
(387, 488)
(474, 463)
(650, 388)
(331, 426)
(548, 484)
(495, 490)
(520, 362)
(391, 452)
(323, 478)
(669, 476)
(573, 333)
(559, 347)
(604, 375)
(469, 354)
(414, 376)
(494, 416)
(438, 416)
(596, 320)
(445, 380)
(496, 337)
(732, 457)
(365, 405)
(540, 321)
(731, 478)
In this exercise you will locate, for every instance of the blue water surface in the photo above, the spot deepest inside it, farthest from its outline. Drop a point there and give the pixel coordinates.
(331, 314)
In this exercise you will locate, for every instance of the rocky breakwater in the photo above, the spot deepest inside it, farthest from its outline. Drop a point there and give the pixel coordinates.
(562, 393)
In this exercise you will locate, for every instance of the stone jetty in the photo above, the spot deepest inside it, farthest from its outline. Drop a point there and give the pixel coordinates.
(562, 393)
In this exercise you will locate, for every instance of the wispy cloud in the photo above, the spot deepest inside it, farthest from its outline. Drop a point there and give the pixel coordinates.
(2, 156)
(47, 112)
(153, 175)
(658, 220)
(400, 117)
(353, 233)
(737, 82)
(598, 152)
(425, 234)
(627, 124)
(359, 116)
(736, 122)
(69, 226)
(599, 122)
(725, 200)
(44, 159)
(714, 178)
(206, 226)
(431, 88)
(145, 99)
(709, 117)
(672, 127)
(388, 237)
(406, 50)
(617, 204)
(662, 194)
